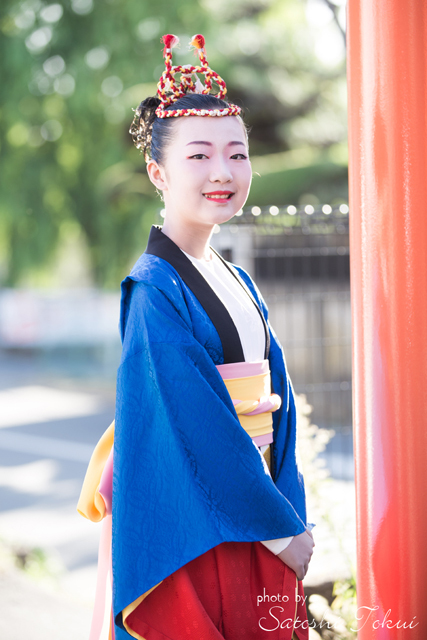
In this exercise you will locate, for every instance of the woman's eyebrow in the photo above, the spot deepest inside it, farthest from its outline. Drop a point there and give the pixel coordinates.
(209, 144)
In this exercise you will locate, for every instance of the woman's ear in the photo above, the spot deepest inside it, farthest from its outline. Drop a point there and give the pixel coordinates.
(157, 175)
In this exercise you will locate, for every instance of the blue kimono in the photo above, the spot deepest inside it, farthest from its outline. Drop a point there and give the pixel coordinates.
(187, 477)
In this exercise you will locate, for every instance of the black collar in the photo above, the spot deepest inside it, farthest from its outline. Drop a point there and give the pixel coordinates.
(160, 245)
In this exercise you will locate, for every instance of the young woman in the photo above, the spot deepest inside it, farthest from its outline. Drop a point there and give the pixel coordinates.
(209, 535)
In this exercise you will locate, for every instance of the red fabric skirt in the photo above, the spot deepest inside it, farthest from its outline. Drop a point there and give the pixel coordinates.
(233, 591)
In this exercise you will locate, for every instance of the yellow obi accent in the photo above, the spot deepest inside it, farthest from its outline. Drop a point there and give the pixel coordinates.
(254, 393)
(91, 504)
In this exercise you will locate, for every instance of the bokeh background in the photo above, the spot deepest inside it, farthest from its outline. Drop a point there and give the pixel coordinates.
(74, 189)
(76, 207)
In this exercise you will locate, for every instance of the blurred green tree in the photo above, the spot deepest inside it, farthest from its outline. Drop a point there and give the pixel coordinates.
(73, 70)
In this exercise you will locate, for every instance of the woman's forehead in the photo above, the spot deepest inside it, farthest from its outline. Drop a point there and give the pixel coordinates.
(210, 129)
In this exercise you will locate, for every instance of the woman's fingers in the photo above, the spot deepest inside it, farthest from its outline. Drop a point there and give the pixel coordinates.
(297, 554)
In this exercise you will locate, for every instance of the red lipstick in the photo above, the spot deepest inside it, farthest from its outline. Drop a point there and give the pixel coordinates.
(219, 196)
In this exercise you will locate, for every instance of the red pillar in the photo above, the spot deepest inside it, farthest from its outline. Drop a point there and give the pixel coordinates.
(387, 80)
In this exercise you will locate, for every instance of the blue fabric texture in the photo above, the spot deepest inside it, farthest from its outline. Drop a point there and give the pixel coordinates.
(187, 477)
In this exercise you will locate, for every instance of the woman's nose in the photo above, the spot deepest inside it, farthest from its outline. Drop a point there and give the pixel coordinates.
(221, 172)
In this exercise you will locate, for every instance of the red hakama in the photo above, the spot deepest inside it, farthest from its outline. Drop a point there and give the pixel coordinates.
(235, 590)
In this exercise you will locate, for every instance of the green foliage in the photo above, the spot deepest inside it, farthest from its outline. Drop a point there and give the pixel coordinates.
(345, 604)
(37, 563)
(312, 441)
(72, 71)
(327, 180)
(335, 621)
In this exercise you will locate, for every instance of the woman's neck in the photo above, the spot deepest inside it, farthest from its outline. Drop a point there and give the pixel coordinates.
(193, 240)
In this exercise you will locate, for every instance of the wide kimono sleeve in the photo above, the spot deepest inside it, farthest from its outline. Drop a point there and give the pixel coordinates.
(187, 477)
(287, 475)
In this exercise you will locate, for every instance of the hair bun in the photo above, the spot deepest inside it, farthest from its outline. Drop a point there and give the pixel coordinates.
(150, 103)
(142, 123)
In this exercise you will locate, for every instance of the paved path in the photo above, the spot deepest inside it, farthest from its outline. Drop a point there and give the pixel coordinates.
(49, 424)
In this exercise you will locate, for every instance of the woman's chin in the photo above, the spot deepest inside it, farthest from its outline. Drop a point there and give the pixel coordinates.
(224, 217)
(223, 212)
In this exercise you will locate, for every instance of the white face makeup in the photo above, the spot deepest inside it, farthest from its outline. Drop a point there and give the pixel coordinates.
(207, 173)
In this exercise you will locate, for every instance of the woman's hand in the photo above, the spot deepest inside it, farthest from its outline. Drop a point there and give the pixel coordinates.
(298, 553)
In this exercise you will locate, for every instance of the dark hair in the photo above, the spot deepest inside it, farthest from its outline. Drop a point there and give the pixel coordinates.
(152, 134)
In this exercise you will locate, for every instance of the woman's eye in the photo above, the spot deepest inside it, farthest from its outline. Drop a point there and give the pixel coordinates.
(239, 156)
(198, 156)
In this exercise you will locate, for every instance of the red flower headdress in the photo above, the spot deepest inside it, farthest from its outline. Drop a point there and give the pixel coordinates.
(169, 90)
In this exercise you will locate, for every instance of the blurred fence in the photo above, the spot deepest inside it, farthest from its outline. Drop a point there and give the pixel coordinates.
(299, 259)
(68, 332)
(40, 319)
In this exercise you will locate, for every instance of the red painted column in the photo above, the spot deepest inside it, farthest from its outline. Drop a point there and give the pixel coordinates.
(387, 81)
